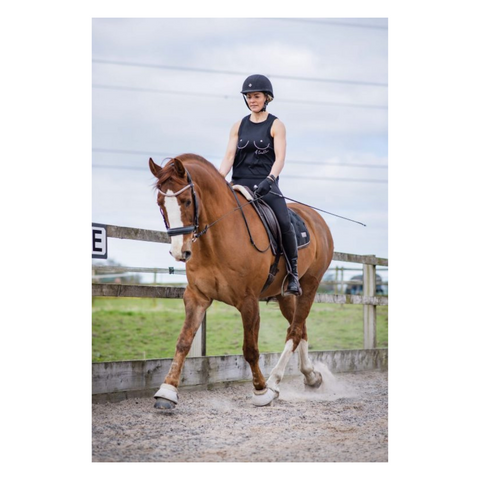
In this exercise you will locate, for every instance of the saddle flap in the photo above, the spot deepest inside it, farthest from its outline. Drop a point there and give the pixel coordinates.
(270, 221)
(266, 214)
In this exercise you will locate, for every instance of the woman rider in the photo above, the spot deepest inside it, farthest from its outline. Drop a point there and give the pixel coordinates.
(256, 151)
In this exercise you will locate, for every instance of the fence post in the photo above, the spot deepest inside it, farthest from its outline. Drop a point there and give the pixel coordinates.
(199, 344)
(93, 276)
(155, 300)
(369, 311)
(335, 287)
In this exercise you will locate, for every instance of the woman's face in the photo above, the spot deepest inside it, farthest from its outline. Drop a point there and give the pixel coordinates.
(256, 100)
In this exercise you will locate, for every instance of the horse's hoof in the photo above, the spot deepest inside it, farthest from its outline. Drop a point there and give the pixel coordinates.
(167, 397)
(316, 382)
(164, 404)
(265, 397)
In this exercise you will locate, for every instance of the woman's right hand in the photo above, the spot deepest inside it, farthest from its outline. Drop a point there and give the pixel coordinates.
(264, 187)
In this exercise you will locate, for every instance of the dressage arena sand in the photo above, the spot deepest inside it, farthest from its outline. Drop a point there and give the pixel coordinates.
(344, 421)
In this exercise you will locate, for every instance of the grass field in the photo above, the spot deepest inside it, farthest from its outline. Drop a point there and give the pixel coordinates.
(141, 328)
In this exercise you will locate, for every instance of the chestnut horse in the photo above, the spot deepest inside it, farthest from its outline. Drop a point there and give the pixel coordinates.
(222, 265)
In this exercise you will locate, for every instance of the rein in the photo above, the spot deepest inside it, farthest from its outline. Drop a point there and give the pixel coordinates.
(171, 232)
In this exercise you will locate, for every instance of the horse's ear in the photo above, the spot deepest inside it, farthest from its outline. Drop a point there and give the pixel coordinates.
(154, 168)
(180, 169)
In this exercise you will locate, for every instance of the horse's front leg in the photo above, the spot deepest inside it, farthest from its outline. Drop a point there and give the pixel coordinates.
(250, 311)
(195, 307)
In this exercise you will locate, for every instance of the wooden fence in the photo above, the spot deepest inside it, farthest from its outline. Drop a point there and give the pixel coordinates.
(369, 300)
(333, 281)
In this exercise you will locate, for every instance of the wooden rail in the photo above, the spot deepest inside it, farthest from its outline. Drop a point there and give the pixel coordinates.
(129, 233)
(369, 300)
(158, 291)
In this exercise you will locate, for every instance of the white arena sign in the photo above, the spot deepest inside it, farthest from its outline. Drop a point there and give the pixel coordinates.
(99, 240)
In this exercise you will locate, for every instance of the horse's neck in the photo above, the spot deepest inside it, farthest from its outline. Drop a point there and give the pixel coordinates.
(217, 201)
(215, 197)
(217, 208)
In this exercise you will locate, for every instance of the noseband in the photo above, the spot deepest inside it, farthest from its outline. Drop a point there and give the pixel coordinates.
(172, 232)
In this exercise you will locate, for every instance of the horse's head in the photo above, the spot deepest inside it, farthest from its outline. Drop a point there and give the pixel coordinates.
(178, 204)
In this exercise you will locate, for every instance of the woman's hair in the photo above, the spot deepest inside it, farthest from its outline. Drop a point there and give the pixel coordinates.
(269, 97)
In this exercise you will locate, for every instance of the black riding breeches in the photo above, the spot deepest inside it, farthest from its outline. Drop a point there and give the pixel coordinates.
(277, 204)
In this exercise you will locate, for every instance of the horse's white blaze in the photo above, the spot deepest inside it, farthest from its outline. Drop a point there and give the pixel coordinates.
(175, 220)
(277, 373)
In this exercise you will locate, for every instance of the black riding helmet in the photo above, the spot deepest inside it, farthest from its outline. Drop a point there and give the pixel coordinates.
(257, 83)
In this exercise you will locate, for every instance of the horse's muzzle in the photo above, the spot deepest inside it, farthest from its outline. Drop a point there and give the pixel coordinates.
(184, 256)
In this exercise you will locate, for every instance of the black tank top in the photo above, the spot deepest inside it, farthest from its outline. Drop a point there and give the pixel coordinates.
(255, 153)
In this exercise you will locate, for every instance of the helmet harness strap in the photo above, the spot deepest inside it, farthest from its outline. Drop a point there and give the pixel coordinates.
(264, 105)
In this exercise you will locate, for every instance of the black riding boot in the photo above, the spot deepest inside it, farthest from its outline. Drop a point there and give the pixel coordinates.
(290, 250)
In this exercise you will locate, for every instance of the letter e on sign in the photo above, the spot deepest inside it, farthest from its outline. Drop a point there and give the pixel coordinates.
(99, 240)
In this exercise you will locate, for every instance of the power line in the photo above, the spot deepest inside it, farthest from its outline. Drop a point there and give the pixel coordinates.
(335, 179)
(227, 97)
(332, 24)
(329, 164)
(120, 167)
(228, 72)
(154, 90)
(130, 152)
(303, 162)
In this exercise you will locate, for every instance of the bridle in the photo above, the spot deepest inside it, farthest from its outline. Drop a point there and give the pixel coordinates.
(172, 232)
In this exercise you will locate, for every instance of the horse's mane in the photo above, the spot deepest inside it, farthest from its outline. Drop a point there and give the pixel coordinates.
(169, 172)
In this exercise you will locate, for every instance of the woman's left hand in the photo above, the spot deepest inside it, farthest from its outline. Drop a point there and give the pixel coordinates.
(264, 187)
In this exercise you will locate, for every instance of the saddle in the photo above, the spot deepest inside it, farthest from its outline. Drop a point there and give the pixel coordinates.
(272, 227)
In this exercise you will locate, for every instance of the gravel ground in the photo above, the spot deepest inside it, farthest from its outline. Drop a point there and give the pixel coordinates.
(346, 420)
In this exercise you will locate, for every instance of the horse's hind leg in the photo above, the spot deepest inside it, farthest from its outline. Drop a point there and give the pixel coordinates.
(287, 307)
(251, 325)
(313, 379)
(195, 306)
(298, 331)
(296, 310)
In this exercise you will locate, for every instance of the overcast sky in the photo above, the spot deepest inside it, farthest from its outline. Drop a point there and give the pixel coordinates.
(433, 205)
(162, 87)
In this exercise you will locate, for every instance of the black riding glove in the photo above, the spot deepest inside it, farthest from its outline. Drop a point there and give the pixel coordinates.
(264, 187)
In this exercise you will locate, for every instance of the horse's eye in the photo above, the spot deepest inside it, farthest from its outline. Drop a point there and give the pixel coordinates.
(188, 203)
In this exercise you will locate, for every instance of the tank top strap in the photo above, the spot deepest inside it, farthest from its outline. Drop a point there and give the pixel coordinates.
(270, 119)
